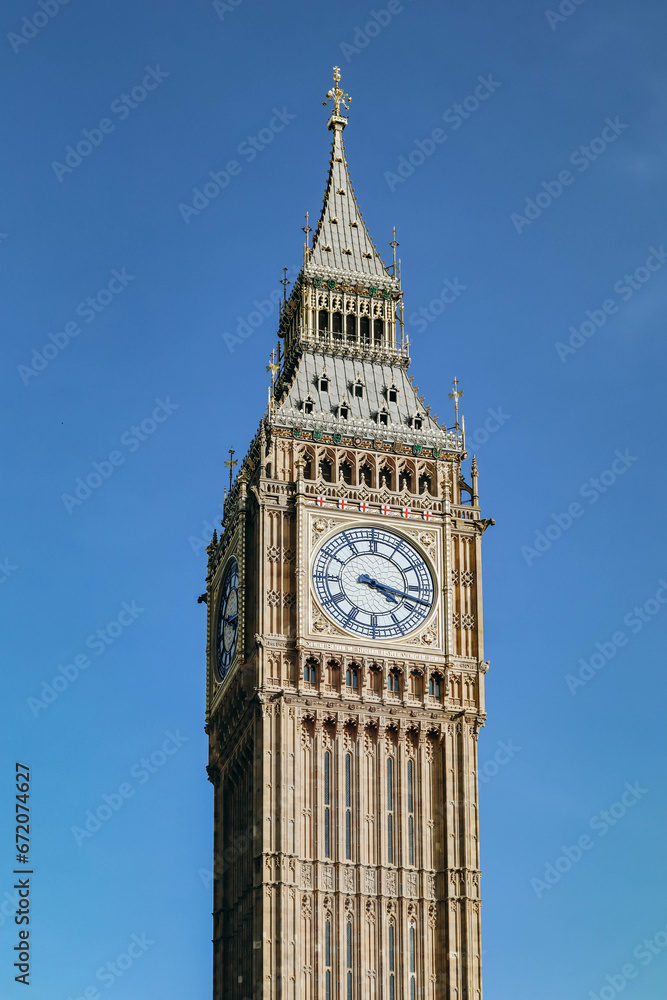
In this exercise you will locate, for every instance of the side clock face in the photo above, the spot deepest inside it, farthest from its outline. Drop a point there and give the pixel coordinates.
(373, 583)
(228, 620)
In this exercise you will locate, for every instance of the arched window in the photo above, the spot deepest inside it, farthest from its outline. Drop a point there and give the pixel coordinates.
(327, 959)
(390, 810)
(325, 470)
(434, 686)
(386, 477)
(405, 481)
(365, 330)
(337, 326)
(411, 814)
(327, 804)
(348, 936)
(351, 328)
(323, 320)
(378, 332)
(352, 677)
(424, 483)
(365, 475)
(310, 670)
(348, 806)
(308, 467)
(413, 980)
(345, 472)
(392, 962)
(392, 681)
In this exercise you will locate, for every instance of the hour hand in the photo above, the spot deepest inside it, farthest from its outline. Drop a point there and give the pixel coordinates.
(376, 585)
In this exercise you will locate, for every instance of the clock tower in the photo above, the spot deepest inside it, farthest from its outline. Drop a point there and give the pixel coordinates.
(345, 666)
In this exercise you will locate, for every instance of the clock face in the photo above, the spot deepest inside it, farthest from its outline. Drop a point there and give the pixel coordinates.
(228, 620)
(373, 583)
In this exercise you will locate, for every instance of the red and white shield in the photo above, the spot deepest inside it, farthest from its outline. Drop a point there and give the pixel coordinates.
(426, 514)
(405, 512)
(320, 501)
(384, 509)
(363, 507)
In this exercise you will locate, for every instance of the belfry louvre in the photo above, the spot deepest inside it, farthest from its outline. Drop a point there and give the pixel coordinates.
(345, 665)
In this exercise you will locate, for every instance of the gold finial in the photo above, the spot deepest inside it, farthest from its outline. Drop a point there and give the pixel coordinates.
(273, 367)
(231, 463)
(337, 95)
(456, 395)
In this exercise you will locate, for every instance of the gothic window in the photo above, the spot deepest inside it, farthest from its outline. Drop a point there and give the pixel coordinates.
(392, 962)
(378, 332)
(327, 960)
(415, 682)
(405, 481)
(358, 389)
(392, 394)
(327, 804)
(308, 467)
(352, 677)
(325, 470)
(390, 810)
(434, 686)
(348, 806)
(424, 483)
(308, 405)
(376, 678)
(345, 472)
(268, 470)
(417, 422)
(383, 418)
(386, 478)
(392, 681)
(323, 322)
(323, 384)
(411, 814)
(413, 981)
(365, 330)
(310, 670)
(351, 328)
(343, 411)
(337, 326)
(365, 475)
(348, 934)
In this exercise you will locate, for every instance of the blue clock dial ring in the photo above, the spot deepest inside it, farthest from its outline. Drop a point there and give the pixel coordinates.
(228, 620)
(373, 583)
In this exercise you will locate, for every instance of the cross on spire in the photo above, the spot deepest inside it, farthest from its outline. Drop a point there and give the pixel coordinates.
(394, 243)
(231, 463)
(337, 95)
(456, 395)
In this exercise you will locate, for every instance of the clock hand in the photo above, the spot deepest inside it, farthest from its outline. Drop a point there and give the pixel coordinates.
(386, 589)
(231, 618)
(376, 585)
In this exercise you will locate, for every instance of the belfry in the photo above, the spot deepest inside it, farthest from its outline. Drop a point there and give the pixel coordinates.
(345, 665)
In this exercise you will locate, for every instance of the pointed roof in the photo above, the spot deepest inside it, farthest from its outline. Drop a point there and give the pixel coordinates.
(341, 242)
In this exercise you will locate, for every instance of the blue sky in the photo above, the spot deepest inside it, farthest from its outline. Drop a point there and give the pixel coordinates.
(569, 129)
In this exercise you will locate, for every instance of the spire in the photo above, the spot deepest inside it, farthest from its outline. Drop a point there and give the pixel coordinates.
(342, 242)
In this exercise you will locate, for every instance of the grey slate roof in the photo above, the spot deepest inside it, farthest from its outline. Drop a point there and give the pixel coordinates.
(362, 421)
(341, 236)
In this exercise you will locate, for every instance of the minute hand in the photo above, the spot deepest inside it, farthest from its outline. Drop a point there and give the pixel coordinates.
(376, 585)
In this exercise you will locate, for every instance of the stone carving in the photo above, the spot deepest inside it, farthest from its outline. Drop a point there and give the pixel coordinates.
(369, 881)
(391, 883)
(306, 906)
(467, 578)
(327, 878)
(428, 637)
(307, 876)
(273, 553)
(431, 886)
(370, 910)
(432, 914)
(349, 880)
(411, 884)
(273, 597)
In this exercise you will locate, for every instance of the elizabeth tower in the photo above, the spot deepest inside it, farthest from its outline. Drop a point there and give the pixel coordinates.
(345, 682)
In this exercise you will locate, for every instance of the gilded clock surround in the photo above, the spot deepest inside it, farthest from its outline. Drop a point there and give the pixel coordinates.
(314, 729)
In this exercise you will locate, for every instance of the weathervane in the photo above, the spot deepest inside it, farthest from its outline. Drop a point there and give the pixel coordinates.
(231, 463)
(456, 395)
(337, 95)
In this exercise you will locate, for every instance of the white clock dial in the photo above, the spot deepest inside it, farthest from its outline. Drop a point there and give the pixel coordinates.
(373, 583)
